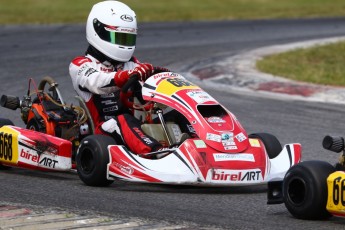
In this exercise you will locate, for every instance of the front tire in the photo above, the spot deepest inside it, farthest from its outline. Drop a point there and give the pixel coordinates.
(305, 190)
(272, 144)
(92, 159)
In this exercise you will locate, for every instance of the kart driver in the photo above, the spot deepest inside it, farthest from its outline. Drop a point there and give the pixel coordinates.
(97, 77)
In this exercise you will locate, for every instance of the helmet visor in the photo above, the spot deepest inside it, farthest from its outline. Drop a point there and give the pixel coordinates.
(114, 34)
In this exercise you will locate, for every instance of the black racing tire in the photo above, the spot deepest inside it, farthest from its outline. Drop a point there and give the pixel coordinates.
(92, 159)
(4, 167)
(4, 121)
(305, 190)
(272, 144)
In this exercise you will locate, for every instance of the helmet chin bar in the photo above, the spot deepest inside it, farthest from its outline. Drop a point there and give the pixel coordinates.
(115, 52)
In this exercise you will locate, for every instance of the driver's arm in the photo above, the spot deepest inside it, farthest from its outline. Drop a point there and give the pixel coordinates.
(86, 77)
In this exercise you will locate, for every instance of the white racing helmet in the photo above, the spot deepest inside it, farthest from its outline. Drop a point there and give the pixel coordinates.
(111, 28)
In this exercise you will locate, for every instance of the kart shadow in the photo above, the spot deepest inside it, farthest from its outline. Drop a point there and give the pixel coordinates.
(137, 187)
(51, 175)
(164, 188)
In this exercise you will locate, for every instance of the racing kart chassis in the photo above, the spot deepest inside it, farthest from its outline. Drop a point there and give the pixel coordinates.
(313, 189)
(219, 154)
(184, 165)
(216, 151)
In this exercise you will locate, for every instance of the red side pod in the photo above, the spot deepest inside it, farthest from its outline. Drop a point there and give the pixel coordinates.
(34, 150)
(54, 145)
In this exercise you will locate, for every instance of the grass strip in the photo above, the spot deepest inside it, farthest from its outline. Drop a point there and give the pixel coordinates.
(76, 11)
(320, 64)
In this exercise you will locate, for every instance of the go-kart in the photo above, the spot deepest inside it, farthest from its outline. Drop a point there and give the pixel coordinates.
(52, 132)
(215, 150)
(313, 190)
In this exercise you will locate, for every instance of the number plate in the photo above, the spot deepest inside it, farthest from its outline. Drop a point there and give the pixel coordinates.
(170, 86)
(336, 193)
(8, 145)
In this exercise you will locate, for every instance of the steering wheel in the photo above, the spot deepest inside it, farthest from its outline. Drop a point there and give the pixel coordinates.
(134, 84)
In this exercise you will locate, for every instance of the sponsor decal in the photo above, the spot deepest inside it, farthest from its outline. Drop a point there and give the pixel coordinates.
(126, 18)
(175, 75)
(107, 69)
(162, 75)
(234, 157)
(82, 69)
(109, 117)
(213, 137)
(254, 143)
(125, 169)
(146, 139)
(127, 30)
(227, 143)
(28, 156)
(215, 120)
(200, 144)
(120, 29)
(200, 96)
(110, 95)
(230, 147)
(108, 102)
(89, 72)
(241, 137)
(227, 136)
(236, 175)
(48, 162)
(111, 109)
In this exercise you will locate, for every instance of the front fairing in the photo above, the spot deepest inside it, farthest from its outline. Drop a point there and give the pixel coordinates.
(214, 124)
(194, 163)
(191, 163)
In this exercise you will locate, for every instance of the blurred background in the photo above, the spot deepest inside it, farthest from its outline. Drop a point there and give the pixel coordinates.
(76, 11)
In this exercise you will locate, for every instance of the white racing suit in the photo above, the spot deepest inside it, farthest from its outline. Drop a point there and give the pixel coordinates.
(94, 83)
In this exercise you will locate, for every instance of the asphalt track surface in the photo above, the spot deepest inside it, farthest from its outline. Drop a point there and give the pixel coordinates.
(38, 51)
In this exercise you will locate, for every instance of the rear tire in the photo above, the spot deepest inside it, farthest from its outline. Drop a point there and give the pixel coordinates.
(305, 190)
(272, 144)
(92, 159)
(33, 124)
(4, 122)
